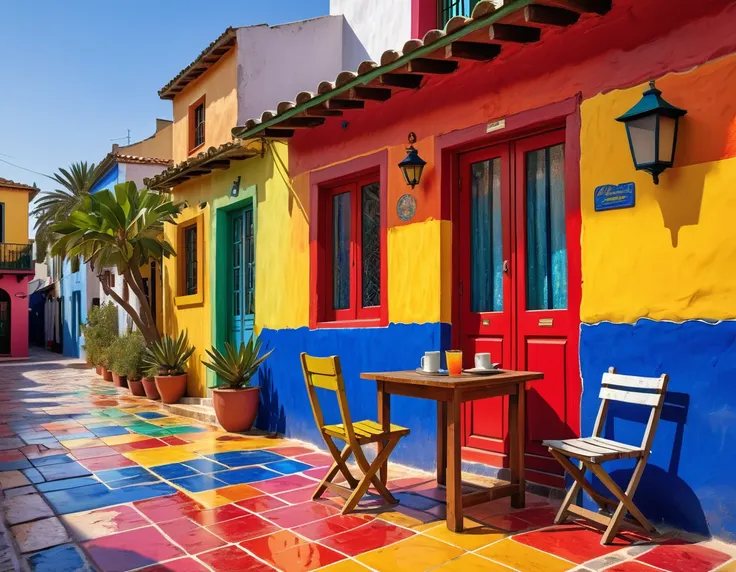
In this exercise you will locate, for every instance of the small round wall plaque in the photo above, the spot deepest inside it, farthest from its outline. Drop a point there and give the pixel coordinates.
(406, 207)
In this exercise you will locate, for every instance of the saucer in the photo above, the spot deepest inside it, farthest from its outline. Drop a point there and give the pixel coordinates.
(483, 371)
(438, 372)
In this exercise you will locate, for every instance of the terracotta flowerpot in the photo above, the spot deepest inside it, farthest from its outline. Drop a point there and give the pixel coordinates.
(119, 380)
(106, 375)
(136, 387)
(171, 387)
(149, 387)
(99, 370)
(236, 409)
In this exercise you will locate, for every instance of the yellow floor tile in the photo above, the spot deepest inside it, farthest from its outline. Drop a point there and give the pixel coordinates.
(524, 558)
(471, 563)
(344, 566)
(418, 553)
(410, 518)
(81, 443)
(730, 567)
(124, 439)
(160, 456)
(473, 536)
(209, 499)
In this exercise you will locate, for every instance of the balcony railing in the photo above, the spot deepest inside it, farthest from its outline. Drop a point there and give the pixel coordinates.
(16, 256)
(451, 8)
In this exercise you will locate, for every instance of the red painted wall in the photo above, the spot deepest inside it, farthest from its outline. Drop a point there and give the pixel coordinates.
(18, 313)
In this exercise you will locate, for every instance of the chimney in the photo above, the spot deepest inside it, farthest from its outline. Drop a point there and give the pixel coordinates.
(162, 124)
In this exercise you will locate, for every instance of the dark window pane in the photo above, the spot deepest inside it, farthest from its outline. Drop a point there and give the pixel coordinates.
(249, 263)
(341, 251)
(486, 268)
(546, 287)
(371, 245)
(190, 248)
(199, 125)
(451, 8)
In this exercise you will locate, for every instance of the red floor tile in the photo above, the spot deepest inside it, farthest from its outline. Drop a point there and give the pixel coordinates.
(130, 550)
(281, 484)
(139, 445)
(332, 525)
(298, 495)
(93, 452)
(104, 463)
(190, 536)
(373, 535)
(299, 514)
(242, 528)
(219, 514)
(544, 516)
(684, 558)
(316, 459)
(291, 553)
(168, 508)
(104, 522)
(631, 566)
(179, 565)
(261, 504)
(317, 473)
(173, 440)
(505, 522)
(17, 455)
(233, 559)
(570, 541)
(291, 451)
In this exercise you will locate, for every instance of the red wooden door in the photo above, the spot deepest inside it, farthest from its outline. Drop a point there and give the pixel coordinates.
(536, 320)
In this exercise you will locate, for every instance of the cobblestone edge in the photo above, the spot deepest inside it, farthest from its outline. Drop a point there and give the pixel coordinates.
(10, 558)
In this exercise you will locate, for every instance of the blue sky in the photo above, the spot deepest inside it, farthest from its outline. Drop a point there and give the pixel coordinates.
(76, 74)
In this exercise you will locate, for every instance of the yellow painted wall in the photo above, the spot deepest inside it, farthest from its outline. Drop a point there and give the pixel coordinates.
(218, 85)
(672, 256)
(16, 214)
(159, 145)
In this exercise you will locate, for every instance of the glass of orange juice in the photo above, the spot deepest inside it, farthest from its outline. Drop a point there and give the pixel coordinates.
(454, 361)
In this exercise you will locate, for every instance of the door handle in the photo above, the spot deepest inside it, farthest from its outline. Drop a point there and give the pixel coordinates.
(505, 267)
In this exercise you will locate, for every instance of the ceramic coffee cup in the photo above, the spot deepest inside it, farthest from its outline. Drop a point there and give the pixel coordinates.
(483, 361)
(431, 362)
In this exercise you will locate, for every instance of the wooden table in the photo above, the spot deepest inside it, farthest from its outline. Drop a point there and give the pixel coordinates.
(450, 393)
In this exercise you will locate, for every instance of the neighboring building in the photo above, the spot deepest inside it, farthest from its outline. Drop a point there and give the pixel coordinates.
(500, 247)
(17, 267)
(218, 236)
(80, 286)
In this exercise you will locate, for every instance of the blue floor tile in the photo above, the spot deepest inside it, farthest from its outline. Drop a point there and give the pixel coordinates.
(135, 480)
(15, 465)
(174, 471)
(247, 475)
(150, 415)
(63, 471)
(66, 484)
(113, 475)
(205, 466)
(52, 460)
(199, 483)
(289, 467)
(33, 475)
(109, 431)
(80, 435)
(64, 558)
(245, 458)
(99, 496)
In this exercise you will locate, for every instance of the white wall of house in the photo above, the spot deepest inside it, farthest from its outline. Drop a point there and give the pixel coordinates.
(277, 62)
(137, 172)
(380, 24)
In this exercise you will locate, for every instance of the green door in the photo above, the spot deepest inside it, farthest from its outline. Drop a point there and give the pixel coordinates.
(242, 280)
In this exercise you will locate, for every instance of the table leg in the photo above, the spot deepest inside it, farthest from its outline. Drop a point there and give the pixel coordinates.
(384, 419)
(441, 442)
(454, 481)
(517, 427)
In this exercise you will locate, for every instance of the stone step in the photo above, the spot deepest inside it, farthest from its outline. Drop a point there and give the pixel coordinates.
(206, 401)
(203, 413)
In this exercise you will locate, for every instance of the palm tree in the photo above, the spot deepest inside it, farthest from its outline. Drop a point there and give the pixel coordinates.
(57, 205)
(121, 229)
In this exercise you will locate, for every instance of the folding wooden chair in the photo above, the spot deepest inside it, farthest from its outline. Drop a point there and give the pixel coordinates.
(327, 374)
(592, 451)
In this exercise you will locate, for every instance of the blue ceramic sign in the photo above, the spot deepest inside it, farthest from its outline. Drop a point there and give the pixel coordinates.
(609, 197)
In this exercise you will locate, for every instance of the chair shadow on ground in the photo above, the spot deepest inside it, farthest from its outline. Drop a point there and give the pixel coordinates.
(271, 414)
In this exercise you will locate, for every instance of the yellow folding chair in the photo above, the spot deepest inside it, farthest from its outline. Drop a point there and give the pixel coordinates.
(327, 374)
(590, 452)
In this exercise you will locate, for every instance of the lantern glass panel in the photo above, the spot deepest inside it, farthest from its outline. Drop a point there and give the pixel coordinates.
(667, 127)
(642, 133)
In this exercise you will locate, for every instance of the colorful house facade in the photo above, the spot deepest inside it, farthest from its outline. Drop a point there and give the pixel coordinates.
(212, 290)
(80, 285)
(17, 267)
(502, 247)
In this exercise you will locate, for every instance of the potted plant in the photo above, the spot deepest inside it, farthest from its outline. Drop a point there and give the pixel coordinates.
(169, 357)
(127, 361)
(116, 353)
(100, 331)
(104, 361)
(235, 401)
(149, 382)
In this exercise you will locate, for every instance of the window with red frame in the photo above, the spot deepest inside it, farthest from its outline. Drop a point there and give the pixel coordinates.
(351, 234)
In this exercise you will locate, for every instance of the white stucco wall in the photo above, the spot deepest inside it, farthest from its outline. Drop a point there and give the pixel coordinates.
(136, 172)
(275, 63)
(380, 24)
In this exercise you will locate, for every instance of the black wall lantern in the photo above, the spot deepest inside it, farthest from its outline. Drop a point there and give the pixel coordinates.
(652, 129)
(412, 165)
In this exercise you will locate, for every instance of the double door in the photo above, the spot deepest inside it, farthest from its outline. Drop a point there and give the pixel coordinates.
(519, 292)
(242, 277)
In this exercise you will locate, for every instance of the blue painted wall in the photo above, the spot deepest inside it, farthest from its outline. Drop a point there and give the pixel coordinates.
(690, 481)
(72, 282)
(285, 405)
(108, 180)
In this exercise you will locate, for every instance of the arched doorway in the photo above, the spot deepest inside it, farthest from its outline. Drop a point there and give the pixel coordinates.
(4, 322)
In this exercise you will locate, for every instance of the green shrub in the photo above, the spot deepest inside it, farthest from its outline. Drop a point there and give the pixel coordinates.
(236, 366)
(100, 331)
(126, 355)
(169, 356)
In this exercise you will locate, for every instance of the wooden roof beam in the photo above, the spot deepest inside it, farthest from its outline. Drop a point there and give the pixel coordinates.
(549, 16)
(513, 34)
(370, 93)
(476, 51)
(321, 111)
(219, 165)
(345, 104)
(404, 80)
(278, 133)
(428, 66)
(301, 122)
(599, 7)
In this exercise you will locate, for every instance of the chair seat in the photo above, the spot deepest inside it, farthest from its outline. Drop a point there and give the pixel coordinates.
(366, 431)
(595, 449)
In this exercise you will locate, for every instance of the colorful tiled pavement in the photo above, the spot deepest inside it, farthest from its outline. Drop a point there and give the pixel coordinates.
(94, 478)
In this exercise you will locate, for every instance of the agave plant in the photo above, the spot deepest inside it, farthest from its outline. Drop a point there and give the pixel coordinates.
(169, 356)
(235, 368)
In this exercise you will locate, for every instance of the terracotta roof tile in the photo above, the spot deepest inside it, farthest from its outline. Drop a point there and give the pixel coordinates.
(7, 183)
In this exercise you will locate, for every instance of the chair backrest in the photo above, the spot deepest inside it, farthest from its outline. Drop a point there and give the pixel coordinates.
(645, 391)
(326, 373)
